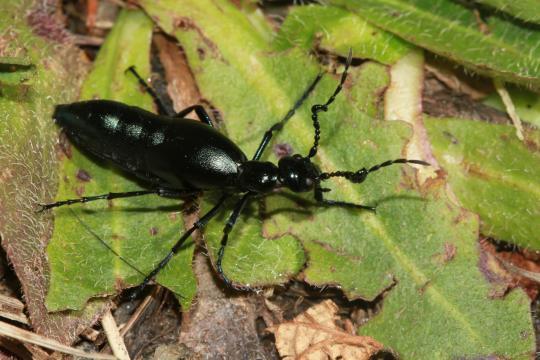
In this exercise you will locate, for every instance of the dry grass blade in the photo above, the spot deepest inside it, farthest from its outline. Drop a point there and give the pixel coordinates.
(12, 309)
(510, 108)
(113, 336)
(29, 337)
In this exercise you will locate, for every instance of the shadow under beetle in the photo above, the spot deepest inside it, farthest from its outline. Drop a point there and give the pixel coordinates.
(177, 156)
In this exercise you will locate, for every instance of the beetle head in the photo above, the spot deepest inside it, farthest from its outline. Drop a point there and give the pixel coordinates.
(297, 173)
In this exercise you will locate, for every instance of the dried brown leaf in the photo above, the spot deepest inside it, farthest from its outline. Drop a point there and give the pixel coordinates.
(509, 269)
(314, 335)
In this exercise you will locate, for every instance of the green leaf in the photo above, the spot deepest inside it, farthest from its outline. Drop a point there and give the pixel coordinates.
(523, 9)
(142, 230)
(509, 51)
(403, 245)
(337, 31)
(527, 104)
(368, 97)
(28, 160)
(493, 174)
(15, 71)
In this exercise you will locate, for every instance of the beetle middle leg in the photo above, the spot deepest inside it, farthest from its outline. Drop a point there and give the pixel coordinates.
(178, 245)
(226, 230)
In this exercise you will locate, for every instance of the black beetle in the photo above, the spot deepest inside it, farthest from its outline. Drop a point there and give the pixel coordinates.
(177, 156)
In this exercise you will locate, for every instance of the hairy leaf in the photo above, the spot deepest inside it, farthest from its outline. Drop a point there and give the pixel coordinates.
(497, 48)
(339, 31)
(523, 9)
(527, 104)
(494, 174)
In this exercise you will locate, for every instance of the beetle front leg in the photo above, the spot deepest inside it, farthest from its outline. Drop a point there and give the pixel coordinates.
(318, 193)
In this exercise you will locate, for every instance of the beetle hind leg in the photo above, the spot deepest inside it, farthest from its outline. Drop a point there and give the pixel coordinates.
(199, 110)
(111, 196)
(162, 109)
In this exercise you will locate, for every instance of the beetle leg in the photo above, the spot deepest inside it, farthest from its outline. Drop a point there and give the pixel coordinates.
(159, 103)
(110, 196)
(226, 230)
(321, 200)
(200, 111)
(86, 199)
(178, 245)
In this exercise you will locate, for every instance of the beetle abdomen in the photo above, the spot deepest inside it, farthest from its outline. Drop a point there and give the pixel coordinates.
(170, 152)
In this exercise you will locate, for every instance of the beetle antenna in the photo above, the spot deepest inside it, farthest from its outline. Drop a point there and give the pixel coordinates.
(360, 175)
(316, 109)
